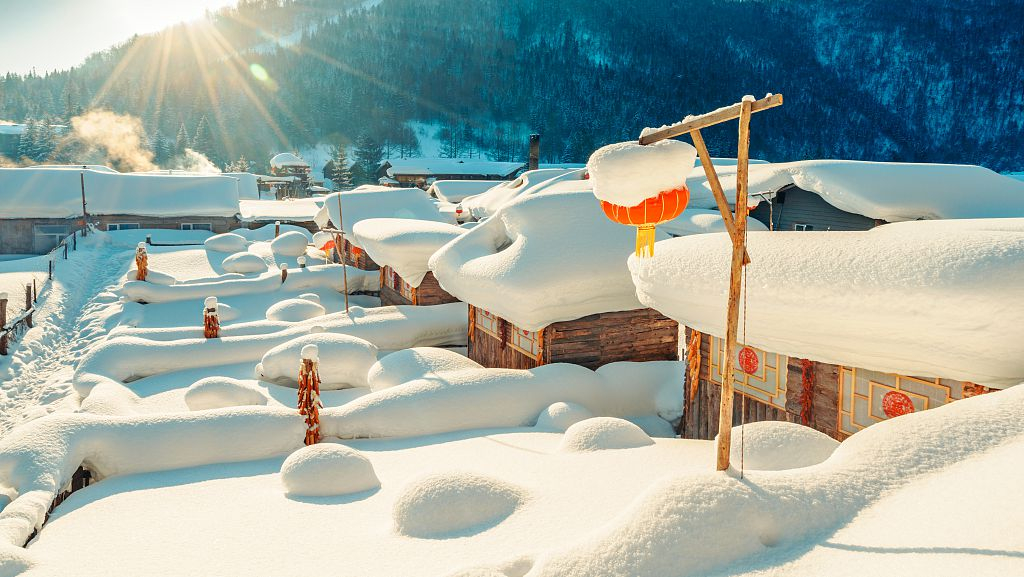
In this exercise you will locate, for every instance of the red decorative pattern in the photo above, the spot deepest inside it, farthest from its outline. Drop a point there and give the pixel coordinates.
(896, 403)
(666, 206)
(806, 391)
(748, 360)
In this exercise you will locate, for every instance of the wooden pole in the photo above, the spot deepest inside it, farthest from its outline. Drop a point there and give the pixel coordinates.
(85, 215)
(341, 251)
(716, 187)
(735, 289)
(28, 305)
(534, 162)
(691, 123)
(3, 323)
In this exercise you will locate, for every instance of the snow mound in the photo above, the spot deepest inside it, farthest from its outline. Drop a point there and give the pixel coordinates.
(327, 469)
(703, 221)
(344, 360)
(627, 173)
(227, 312)
(295, 310)
(416, 363)
(603, 433)
(778, 445)
(560, 416)
(289, 244)
(454, 504)
(311, 297)
(244, 262)
(321, 238)
(405, 245)
(227, 242)
(220, 392)
(370, 201)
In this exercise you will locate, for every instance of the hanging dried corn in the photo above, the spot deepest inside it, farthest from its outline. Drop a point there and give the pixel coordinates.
(211, 320)
(309, 393)
(141, 262)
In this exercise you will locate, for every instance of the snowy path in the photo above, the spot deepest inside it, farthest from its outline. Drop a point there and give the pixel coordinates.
(36, 378)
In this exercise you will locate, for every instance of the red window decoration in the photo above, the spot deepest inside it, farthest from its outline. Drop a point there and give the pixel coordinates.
(748, 360)
(896, 403)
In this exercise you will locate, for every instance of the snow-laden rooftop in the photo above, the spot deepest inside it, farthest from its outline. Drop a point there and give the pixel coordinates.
(486, 203)
(291, 210)
(542, 259)
(57, 193)
(405, 245)
(456, 190)
(369, 201)
(928, 298)
(435, 166)
(286, 159)
(890, 191)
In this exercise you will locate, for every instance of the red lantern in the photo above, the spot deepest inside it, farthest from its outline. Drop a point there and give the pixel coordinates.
(648, 214)
(896, 403)
(749, 362)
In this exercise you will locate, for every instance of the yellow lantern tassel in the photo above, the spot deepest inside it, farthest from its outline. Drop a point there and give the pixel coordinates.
(645, 240)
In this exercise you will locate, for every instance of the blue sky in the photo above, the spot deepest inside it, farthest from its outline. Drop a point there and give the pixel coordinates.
(58, 34)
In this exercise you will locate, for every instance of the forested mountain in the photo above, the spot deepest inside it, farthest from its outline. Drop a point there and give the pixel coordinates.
(932, 80)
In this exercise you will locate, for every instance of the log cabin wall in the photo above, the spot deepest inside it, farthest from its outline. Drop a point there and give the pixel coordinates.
(358, 258)
(591, 341)
(394, 290)
(39, 235)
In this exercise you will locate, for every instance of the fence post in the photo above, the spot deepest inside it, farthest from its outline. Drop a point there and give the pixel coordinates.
(3, 323)
(74, 240)
(277, 228)
(28, 305)
(35, 291)
(65, 250)
(149, 239)
(49, 275)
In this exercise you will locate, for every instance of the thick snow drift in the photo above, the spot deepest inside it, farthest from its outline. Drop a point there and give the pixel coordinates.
(289, 244)
(627, 173)
(560, 416)
(456, 190)
(57, 193)
(542, 259)
(367, 201)
(344, 360)
(295, 310)
(327, 469)
(456, 504)
(703, 221)
(220, 392)
(779, 445)
(415, 363)
(228, 242)
(928, 298)
(244, 262)
(602, 433)
(405, 245)
(895, 191)
(487, 203)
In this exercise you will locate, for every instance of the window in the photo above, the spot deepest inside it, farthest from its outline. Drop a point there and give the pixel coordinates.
(47, 236)
(802, 226)
(123, 226)
(197, 226)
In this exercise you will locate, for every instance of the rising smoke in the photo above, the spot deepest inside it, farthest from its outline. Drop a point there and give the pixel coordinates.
(120, 138)
(195, 162)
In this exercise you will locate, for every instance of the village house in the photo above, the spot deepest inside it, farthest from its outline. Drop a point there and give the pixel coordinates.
(403, 248)
(366, 202)
(422, 172)
(288, 178)
(295, 211)
(40, 206)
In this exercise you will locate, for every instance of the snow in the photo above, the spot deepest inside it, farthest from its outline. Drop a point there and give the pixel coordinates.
(542, 259)
(405, 245)
(286, 159)
(779, 445)
(603, 433)
(220, 392)
(449, 166)
(291, 243)
(560, 416)
(288, 210)
(457, 190)
(244, 262)
(345, 361)
(626, 173)
(487, 203)
(229, 242)
(367, 202)
(894, 191)
(702, 221)
(927, 298)
(56, 193)
(326, 470)
(457, 504)
(295, 310)
(414, 363)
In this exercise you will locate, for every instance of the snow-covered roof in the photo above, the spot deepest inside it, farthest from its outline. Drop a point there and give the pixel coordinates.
(893, 191)
(456, 190)
(485, 204)
(435, 166)
(56, 193)
(286, 159)
(96, 167)
(290, 210)
(542, 259)
(927, 298)
(387, 180)
(405, 245)
(369, 201)
(702, 221)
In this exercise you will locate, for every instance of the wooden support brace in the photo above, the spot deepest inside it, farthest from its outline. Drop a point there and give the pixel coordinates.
(690, 124)
(716, 188)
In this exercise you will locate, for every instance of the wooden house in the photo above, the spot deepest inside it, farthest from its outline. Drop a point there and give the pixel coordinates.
(547, 282)
(289, 176)
(40, 206)
(422, 172)
(294, 211)
(404, 247)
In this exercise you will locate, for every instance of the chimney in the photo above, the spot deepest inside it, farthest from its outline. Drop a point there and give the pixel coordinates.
(534, 152)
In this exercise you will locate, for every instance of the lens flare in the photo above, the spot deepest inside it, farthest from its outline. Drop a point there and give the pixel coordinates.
(259, 72)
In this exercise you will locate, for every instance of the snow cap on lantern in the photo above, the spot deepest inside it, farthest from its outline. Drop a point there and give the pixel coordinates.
(310, 352)
(642, 186)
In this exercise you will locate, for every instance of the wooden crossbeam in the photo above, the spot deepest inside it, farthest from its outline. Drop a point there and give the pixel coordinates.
(691, 123)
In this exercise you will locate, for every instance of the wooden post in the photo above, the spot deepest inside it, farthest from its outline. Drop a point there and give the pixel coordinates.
(302, 261)
(341, 251)
(735, 290)
(277, 228)
(534, 152)
(284, 272)
(85, 215)
(3, 323)
(50, 266)
(716, 187)
(28, 305)
(65, 251)
(35, 291)
(74, 240)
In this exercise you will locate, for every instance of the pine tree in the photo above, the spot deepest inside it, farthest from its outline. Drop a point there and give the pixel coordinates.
(338, 170)
(27, 140)
(181, 142)
(203, 140)
(241, 165)
(369, 155)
